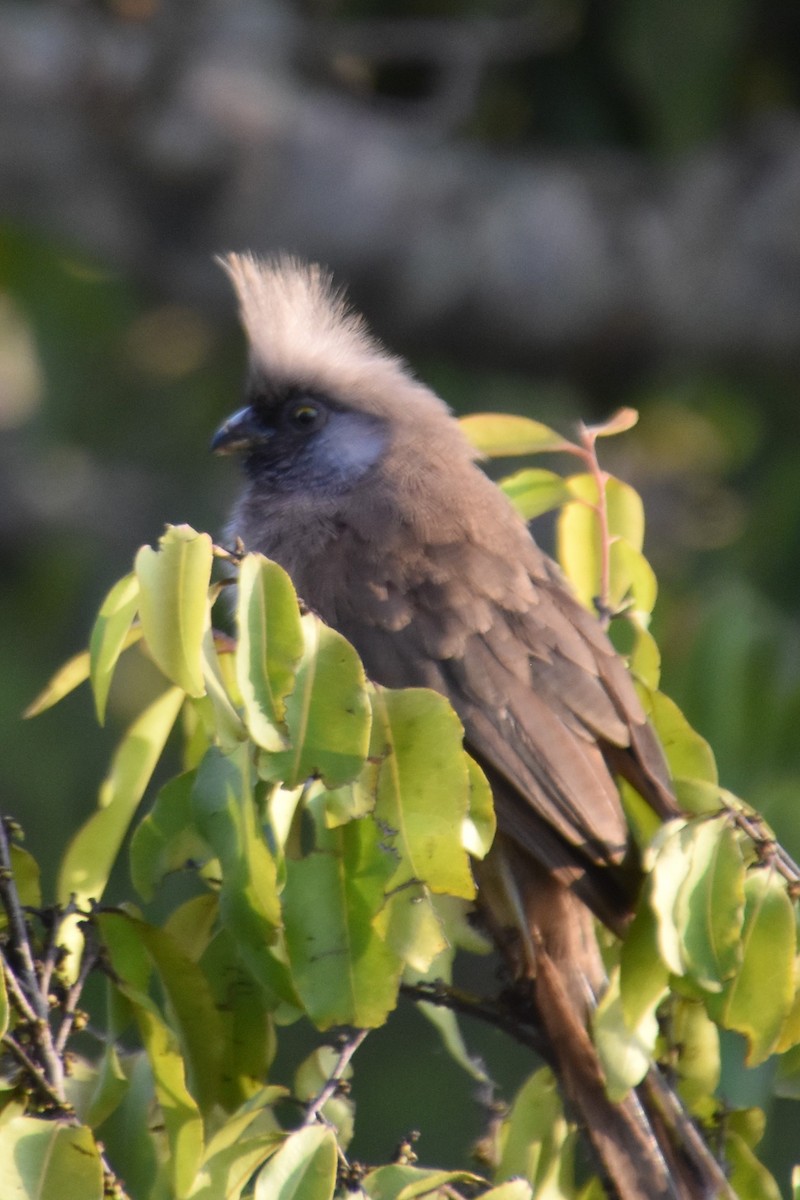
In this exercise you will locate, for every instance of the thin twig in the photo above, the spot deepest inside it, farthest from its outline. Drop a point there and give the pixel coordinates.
(37, 1075)
(19, 929)
(70, 1005)
(18, 997)
(498, 1012)
(52, 950)
(335, 1078)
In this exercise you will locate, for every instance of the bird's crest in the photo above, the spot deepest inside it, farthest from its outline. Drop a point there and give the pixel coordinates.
(302, 331)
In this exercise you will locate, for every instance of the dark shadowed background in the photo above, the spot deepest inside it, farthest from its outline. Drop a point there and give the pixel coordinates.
(550, 208)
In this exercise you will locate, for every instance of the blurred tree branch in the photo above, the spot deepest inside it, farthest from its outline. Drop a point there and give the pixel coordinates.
(152, 143)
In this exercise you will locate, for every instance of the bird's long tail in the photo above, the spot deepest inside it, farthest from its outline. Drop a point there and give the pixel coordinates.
(646, 1146)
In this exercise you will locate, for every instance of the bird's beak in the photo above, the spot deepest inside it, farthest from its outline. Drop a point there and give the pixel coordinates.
(239, 432)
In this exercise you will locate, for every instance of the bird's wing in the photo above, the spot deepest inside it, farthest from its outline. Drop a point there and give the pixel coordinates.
(547, 705)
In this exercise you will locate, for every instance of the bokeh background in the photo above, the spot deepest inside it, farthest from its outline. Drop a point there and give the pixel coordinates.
(548, 207)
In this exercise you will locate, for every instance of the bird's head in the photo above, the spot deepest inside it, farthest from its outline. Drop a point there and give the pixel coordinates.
(325, 403)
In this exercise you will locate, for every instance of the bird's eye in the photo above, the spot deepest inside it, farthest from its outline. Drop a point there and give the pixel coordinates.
(305, 416)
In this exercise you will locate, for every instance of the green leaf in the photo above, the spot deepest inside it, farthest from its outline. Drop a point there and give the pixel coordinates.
(225, 814)
(535, 1140)
(709, 904)
(694, 1040)
(304, 1168)
(757, 1001)
(195, 1017)
(626, 1051)
(166, 839)
(341, 967)
(48, 1160)
(92, 852)
(182, 1121)
(174, 605)
(787, 1075)
(328, 713)
(247, 1037)
(4, 1013)
(480, 824)
(73, 673)
(699, 798)
(515, 1189)
(271, 644)
(535, 491)
(453, 916)
(400, 1182)
(578, 533)
(631, 578)
(27, 878)
(670, 866)
(644, 977)
(226, 1174)
(500, 435)
(112, 1084)
(748, 1177)
(644, 661)
(110, 636)
(410, 926)
(193, 924)
(689, 756)
(228, 727)
(423, 788)
(349, 802)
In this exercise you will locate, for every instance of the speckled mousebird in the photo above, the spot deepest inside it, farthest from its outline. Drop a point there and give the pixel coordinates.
(360, 483)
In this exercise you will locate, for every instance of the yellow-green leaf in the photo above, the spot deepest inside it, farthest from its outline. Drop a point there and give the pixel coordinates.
(695, 1039)
(535, 491)
(535, 1139)
(709, 904)
(270, 647)
(758, 999)
(644, 976)
(110, 636)
(626, 1051)
(343, 970)
(228, 727)
(225, 814)
(688, 754)
(3, 1004)
(410, 926)
(579, 535)
(93, 850)
(500, 435)
(748, 1177)
(631, 578)
(328, 713)
(423, 788)
(480, 823)
(48, 1160)
(182, 1120)
(398, 1181)
(304, 1168)
(166, 839)
(73, 673)
(174, 603)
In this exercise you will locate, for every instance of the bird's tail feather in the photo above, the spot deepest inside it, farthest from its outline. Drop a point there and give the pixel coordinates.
(646, 1146)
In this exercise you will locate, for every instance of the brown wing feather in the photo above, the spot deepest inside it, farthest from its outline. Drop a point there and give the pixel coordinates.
(547, 705)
